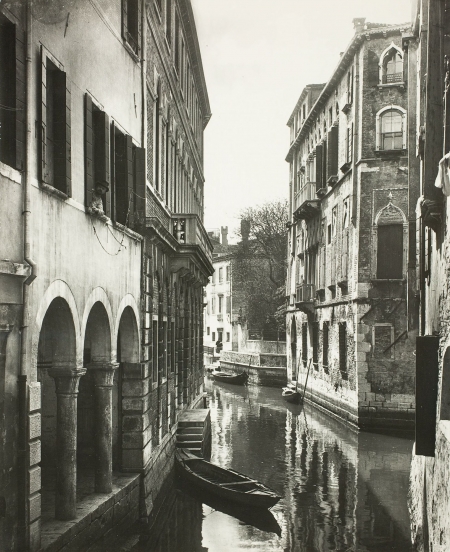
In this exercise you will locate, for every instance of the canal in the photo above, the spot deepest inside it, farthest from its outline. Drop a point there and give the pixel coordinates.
(342, 490)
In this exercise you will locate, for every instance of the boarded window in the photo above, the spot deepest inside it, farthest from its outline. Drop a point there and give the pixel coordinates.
(343, 349)
(390, 252)
(55, 127)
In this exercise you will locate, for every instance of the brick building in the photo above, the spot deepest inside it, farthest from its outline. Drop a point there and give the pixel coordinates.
(103, 259)
(429, 498)
(352, 311)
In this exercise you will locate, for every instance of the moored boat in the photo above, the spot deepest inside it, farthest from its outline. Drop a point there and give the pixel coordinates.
(224, 483)
(237, 379)
(291, 395)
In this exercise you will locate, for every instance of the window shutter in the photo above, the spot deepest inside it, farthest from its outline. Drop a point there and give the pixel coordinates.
(43, 134)
(139, 3)
(373, 69)
(319, 166)
(404, 131)
(20, 97)
(427, 380)
(124, 19)
(140, 184)
(390, 252)
(324, 164)
(332, 152)
(100, 122)
(129, 175)
(88, 150)
(112, 174)
(62, 137)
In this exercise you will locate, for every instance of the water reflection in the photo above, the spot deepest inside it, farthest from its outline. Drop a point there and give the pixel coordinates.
(342, 490)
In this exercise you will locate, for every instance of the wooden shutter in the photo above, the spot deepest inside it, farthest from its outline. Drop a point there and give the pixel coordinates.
(62, 135)
(373, 70)
(319, 166)
(427, 379)
(43, 130)
(129, 174)
(140, 185)
(112, 177)
(88, 150)
(390, 252)
(332, 153)
(20, 98)
(100, 122)
(125, 19)
(139, 27)
(324, 164)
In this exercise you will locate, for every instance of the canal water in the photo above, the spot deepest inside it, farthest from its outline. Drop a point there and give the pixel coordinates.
(341, 490)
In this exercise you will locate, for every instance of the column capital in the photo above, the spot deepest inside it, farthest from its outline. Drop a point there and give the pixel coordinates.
(103, 373)
(67, 377)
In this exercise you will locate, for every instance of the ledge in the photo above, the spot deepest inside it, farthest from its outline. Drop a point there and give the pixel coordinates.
(391, 153)
(53, 191)
(14, 269)
(400, 85)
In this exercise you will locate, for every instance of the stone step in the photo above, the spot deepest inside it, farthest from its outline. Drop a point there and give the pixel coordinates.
(189, 445)
(190, 431)
(190, 423)
(190, 437)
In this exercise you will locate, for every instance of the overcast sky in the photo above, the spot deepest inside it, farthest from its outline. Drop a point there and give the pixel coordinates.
(257, 57)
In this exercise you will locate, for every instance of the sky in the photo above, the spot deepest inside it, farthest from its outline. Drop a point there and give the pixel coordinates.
(257, 57)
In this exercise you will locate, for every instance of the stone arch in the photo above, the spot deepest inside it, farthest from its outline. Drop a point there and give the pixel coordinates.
(128, 337)
(391, 49)
(98, 295)
(58, 289)
(390, 216)
(127, 302)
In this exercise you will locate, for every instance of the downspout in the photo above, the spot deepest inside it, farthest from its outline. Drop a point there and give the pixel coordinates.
(23, 531)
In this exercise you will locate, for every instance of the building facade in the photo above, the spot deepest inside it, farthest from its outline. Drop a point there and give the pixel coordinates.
(429, 500)
(352, 310)
(103, 259)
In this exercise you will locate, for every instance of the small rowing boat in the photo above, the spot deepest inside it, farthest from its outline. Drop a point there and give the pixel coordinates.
(237, 379)
(291, 395)
(224, 483)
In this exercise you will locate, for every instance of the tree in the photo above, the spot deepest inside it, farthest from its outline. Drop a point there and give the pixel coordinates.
(259, 270)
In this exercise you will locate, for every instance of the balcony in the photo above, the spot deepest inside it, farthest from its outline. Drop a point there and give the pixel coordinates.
(306, 204)
(305, 295)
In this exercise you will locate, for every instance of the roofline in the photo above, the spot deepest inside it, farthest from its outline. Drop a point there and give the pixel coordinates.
(345, 59)
(305, 91)
(188, 22)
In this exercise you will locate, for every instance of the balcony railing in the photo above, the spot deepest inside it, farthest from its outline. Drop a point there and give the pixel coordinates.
(307, 193)
(306, 293)
(189, 230)
(306, 203)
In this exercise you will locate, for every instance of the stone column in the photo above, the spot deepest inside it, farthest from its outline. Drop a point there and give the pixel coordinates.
(67, 377)
(103, 373)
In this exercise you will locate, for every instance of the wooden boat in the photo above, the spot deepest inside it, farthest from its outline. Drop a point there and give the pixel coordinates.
(261, 518)
(237, 379)
(291, 395)
(227, 484)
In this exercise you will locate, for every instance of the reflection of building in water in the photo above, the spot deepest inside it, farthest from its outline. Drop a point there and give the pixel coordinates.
(344, 489)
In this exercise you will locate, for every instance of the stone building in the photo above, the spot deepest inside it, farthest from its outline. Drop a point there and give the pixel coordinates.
(352, 311)
(103, 259)
(429, 498)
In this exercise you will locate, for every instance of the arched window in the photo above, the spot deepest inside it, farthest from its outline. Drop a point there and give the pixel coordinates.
(391, 65)
(391, 129)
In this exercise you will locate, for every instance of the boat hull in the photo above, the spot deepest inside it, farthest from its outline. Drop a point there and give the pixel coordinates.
(236, 379)
(291, 396)
(226, 484)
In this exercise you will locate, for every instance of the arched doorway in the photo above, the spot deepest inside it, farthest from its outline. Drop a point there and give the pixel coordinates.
(95, 402)
(294, 373)
(57, 371)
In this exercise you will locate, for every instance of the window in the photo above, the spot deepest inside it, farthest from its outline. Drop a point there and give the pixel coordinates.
(177, 42)
(304, 111)
(228, 336)
(12, 96)
(213, 305)
(343, 349)
(315, 339)
(391, 65)
(131, 23)
(349, 144)
(391, 129)
(55, 126)
(390, 252)
(329, 234)
(220, 304)
(155, 351)
(169, 21)
(228, 273)
(157, 138)
(325, 346)
(334, 222)
(345, 214)
(207, 330)
(213, 336)
(350, 86)
(220, 275)
(305, 344)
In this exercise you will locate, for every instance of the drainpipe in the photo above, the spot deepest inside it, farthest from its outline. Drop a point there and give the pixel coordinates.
(23, 530)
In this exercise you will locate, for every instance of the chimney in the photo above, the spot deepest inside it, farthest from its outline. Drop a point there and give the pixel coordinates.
(245, 230)
(359, 24)
(224, 232)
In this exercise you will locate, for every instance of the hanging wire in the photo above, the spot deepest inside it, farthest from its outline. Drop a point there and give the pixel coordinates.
(123, 236)
(8, 108)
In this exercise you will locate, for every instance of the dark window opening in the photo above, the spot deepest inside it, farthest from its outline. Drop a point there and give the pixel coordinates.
(123, 176)
(177, 42)
(155, 351)
(325, 346)
(169, 21)
(56, 139)
(343, 349)
(390, 252)
(131, 24)
(305, 344)
(7, 92)
(315, 338)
